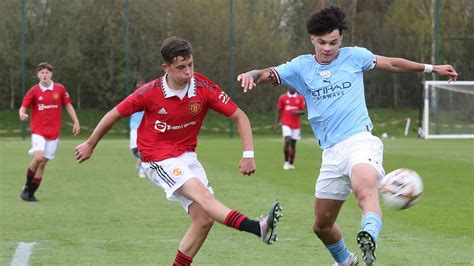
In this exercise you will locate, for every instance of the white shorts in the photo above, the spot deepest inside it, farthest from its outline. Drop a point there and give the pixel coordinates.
(171, 174)
(334, 181)
(39, 143)
(289, 132)
(133, 139)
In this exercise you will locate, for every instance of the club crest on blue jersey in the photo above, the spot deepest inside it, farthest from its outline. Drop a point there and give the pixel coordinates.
(325, 74)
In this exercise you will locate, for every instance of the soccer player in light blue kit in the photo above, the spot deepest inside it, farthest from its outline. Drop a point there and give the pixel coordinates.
(135, 120)
(332, 84)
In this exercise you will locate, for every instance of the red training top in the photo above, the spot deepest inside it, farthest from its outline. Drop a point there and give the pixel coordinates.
(170, 125)
(289, 103)
(46, 106)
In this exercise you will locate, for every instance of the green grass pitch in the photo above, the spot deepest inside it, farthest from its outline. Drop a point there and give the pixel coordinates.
(101, 213)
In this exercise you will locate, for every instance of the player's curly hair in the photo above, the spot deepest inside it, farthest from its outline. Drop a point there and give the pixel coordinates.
(326, 21)
(173, 47)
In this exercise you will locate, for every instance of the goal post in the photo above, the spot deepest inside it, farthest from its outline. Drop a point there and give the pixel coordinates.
(448, 110)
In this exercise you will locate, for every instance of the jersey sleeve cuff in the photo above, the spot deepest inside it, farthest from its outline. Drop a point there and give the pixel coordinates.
(276, 80)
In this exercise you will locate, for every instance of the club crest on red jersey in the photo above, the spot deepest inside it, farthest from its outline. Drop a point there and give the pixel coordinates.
(55, 96)
(195, 108)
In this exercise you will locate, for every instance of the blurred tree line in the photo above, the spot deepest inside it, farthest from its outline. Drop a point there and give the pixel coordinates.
(84, 40)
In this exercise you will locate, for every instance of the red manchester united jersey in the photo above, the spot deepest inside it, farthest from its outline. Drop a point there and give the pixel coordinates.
(170, 125)
(46, 106)
(288, 104)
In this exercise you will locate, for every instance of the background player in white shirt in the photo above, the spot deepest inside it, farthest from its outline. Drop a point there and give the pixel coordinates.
(331, 81)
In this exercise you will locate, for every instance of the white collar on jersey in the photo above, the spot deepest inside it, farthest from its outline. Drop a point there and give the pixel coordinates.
(291, 95)
(43, 88)
(168, 92)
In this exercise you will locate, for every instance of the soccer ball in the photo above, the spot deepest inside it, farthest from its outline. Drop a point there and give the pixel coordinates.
(401, 188)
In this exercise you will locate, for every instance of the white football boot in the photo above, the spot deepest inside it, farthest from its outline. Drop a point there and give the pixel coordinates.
(268, 224)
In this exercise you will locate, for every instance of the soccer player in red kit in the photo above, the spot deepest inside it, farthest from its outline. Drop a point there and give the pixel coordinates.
(175, 106)
(290, 107)
(46, 100)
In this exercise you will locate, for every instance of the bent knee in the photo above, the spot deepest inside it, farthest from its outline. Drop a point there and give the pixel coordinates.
(321, 228)
(207, 223)
(40, 159)
(203, 223)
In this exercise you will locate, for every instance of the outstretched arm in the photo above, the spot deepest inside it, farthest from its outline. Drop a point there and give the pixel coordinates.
(249, 80)
(298, 112)
(393, 64)
(247, 164)
(76, 128)
(84, 150)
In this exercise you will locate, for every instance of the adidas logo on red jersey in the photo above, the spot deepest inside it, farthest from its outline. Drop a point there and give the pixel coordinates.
(162, 111)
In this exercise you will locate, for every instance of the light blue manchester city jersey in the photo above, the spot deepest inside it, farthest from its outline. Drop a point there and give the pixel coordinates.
(334, 92)
(135, 119)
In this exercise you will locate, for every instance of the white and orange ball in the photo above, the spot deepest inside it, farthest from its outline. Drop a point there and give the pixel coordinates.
(401, 188)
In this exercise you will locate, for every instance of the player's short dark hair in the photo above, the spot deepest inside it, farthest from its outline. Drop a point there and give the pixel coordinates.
(173, 47)
(44, 65)
(326, 21)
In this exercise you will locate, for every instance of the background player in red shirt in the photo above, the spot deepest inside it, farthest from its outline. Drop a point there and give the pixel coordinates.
(46, 100)
(290, 107)
(175, 106)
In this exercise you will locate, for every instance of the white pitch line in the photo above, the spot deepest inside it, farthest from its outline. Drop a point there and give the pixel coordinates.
(22, 253)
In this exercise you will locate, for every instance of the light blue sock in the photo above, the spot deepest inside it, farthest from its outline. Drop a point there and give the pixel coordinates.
(372, 223)
(339, 251)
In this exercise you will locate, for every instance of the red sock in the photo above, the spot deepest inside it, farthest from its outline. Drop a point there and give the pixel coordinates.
(233, 219)
(182, 260)
(35, 183)
(30, 173)
(29, 177)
